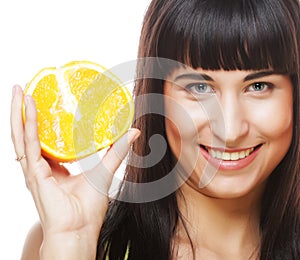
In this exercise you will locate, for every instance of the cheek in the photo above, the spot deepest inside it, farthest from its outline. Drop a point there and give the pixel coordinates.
(184, 121)
(183, 141)
(275, 121)
(184, 125)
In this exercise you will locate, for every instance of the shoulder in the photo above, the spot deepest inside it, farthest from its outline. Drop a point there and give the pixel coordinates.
(33, 243)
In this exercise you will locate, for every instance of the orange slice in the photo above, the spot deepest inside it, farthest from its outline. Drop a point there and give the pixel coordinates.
(82, 107)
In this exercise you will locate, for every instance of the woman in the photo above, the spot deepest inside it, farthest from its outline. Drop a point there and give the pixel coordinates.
(228, 73)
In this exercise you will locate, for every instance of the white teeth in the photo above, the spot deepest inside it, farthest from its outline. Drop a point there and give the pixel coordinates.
(242, 154)
(234, 156)
(226, 156)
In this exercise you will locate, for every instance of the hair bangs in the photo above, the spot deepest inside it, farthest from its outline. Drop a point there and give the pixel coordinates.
(229, 35)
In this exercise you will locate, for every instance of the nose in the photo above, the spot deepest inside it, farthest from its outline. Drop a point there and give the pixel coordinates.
(229, 122)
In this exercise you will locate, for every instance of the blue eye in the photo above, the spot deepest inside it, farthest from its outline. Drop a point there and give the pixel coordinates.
(199, 88)
(259, 87)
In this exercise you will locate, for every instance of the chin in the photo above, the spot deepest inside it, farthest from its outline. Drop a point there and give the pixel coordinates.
(224, 186)
(223, 193)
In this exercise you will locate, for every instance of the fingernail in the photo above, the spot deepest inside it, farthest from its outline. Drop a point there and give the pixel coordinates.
(133, 134)
(27, 100)
(13, 91)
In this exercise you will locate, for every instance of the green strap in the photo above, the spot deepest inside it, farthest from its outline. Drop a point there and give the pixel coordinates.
(126, 254)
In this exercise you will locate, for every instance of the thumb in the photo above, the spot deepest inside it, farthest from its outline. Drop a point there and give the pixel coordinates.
(100, 177)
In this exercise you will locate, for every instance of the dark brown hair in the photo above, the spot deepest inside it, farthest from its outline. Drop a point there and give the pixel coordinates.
(211, 34)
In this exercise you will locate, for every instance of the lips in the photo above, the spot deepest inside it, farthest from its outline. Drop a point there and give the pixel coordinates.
(225, 159)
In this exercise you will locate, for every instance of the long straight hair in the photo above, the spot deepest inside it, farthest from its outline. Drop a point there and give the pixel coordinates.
(211, 34)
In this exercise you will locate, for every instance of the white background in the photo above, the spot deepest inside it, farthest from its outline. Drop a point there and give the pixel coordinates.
(43, 33)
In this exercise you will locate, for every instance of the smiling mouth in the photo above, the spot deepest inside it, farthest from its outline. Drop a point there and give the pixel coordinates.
(230, 156)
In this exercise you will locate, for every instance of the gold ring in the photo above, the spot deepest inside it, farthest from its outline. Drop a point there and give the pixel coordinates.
(19, 158)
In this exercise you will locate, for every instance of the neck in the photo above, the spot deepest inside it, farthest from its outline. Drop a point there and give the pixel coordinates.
(223, 227)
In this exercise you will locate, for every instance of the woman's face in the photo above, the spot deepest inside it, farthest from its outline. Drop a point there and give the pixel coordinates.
(228, 129)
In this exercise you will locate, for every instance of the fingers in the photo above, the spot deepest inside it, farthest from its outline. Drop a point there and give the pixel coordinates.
(117, 153)
(16, 121)
(101, 176)
(32, 142)
(25, 136)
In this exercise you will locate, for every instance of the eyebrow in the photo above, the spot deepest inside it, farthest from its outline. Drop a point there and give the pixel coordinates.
(259, 74)
(195, 76)
(203, 76)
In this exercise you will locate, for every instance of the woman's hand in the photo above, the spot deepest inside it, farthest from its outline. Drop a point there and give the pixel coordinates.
(71, 208)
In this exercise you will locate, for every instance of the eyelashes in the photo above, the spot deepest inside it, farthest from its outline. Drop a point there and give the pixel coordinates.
(200, 88)
(203, 88)
(260, 87)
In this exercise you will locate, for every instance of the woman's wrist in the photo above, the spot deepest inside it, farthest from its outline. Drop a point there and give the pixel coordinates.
(71, 245)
